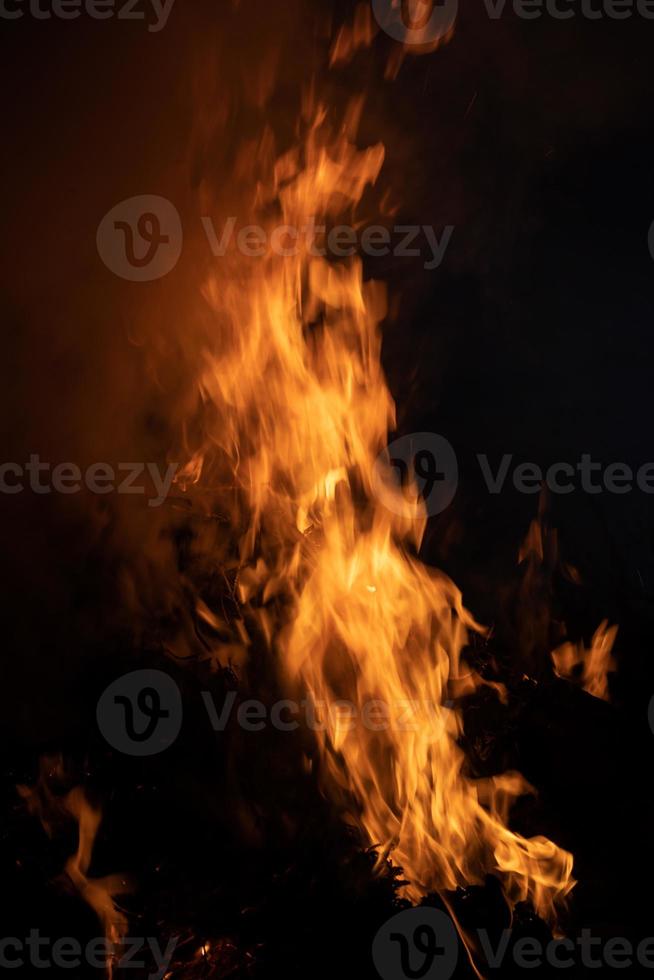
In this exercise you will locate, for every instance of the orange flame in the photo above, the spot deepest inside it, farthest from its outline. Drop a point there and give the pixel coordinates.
(572, 661)
(357, 35)
(49, 808)
(97, 892)
(591, 666)
(297, 412)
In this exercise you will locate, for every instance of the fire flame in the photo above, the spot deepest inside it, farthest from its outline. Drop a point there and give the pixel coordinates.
(591, 665)
(50, 808)
(296, 414)
(572, 661)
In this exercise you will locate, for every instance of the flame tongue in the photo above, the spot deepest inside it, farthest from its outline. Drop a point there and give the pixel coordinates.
(99, 893)
(301, 414)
